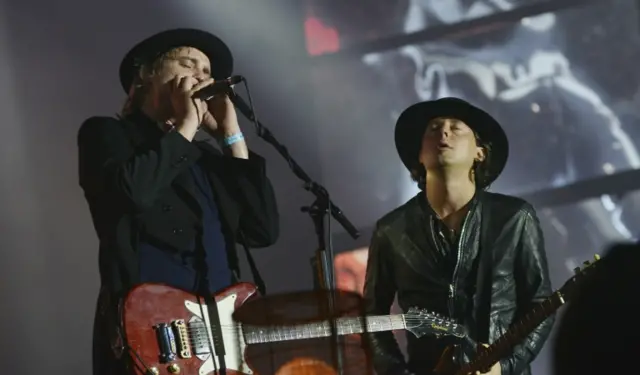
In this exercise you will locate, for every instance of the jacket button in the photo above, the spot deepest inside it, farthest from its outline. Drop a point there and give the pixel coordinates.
(167, 208)
(177, 231)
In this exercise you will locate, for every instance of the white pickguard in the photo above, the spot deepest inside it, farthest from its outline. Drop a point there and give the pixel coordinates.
(234, 344)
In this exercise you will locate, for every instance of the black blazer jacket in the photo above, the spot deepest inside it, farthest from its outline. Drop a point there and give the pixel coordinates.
(135, 179)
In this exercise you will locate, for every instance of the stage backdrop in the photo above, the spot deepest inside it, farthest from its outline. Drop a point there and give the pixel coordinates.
(563, 84)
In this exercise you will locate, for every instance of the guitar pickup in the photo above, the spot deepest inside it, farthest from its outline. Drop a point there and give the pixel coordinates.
(166, 342)
(181, 333)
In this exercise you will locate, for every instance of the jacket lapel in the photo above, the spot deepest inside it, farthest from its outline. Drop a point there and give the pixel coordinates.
(469, 240)
(142, 130)
(416, 239)
(185, 187)
(215, 169)
(482, 296)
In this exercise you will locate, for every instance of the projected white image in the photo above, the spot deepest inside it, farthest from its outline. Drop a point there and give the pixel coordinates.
(561, 127)
(530, 84)
(421, 14)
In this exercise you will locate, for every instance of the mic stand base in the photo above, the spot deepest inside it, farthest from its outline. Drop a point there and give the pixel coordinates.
(322, 268)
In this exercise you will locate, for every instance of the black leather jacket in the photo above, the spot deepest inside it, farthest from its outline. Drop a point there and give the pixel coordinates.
(501, 270)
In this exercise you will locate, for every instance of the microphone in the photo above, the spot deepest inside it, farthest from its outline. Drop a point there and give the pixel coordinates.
(218, 87)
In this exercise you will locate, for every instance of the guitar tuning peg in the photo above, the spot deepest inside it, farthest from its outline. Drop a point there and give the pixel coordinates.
(576, 270)
(586, 263)
(596, 257)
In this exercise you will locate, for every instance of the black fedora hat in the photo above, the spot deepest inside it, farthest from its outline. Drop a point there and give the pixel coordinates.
(149, 49)
(412, 124)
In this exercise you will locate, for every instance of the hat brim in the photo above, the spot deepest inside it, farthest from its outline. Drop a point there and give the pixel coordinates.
(149, 49)
(412, 124)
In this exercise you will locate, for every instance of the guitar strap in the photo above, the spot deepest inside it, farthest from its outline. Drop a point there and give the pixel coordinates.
(252, 265)
(212, 307)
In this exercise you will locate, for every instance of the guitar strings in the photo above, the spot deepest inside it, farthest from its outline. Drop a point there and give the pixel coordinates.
(200, 325)
(249, 329)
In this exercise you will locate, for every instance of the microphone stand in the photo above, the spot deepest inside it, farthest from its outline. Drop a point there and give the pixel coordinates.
(322, 262)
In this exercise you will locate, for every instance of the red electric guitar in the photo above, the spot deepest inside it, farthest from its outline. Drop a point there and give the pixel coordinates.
(167, 330)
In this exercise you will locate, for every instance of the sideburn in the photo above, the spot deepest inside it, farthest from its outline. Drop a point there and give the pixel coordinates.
(473, 172)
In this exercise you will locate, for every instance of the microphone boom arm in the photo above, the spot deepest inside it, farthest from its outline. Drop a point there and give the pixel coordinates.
(315, 188)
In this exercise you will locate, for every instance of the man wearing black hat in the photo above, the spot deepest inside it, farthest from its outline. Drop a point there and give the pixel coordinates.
(455, 249)
(166, 208)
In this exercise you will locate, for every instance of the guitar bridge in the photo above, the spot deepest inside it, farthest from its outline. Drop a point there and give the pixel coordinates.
(182, 336)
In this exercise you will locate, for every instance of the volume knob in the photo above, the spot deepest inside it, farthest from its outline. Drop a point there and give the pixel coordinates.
(174, 368)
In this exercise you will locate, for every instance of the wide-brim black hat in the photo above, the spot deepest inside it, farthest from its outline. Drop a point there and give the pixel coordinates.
(151, 48)
(412, 124)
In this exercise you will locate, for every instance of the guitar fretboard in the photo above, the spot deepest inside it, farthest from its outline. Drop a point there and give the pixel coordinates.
(513, 336)
(343, 326)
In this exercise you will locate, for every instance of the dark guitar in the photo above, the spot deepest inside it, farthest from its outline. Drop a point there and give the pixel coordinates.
(518, 331)
(167, 330)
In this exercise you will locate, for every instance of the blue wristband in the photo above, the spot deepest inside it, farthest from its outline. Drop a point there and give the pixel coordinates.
(228, 141)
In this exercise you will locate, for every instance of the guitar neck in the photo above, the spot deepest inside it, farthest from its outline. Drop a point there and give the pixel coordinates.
(513, 336)
(343, 326)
